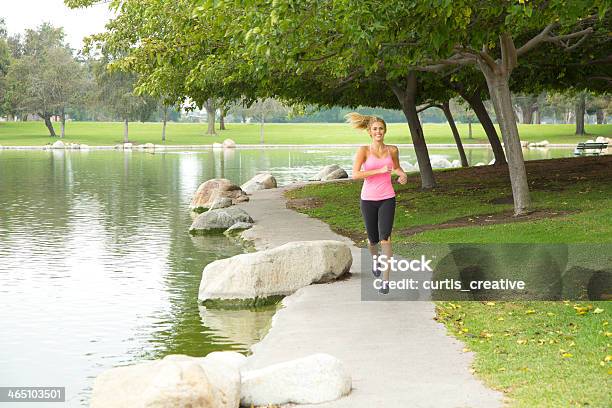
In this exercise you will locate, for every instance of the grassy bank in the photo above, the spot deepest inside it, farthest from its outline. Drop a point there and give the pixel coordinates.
(110, 133)
(545, 354)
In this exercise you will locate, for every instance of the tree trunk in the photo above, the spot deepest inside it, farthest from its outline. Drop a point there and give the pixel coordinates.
(527, 112)
(600, 116)
(125, 131)
(407, 100)
(164, 123)
(470, 128)
(499, 89)
(497, 75)
(261, 130)
(210, 113)
(451, 123)
(475, 102)
(538, 119)
(222, 120)
(580, 115)
(49, 125)
(63, 124)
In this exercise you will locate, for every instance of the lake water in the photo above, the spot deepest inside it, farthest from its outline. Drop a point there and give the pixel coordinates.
(96, 266)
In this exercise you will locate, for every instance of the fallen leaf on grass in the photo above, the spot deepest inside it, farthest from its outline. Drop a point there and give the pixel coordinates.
(598, 310)
(521, 341)
(530, 311)
(581, 310)
(567, 355)
(485, 334)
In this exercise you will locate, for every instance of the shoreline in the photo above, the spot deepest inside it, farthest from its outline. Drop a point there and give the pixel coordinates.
(266, 146)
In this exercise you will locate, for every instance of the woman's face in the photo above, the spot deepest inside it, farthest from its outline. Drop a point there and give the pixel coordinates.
(377, 131)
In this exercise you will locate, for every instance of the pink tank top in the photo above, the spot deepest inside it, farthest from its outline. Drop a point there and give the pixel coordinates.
(377, 187)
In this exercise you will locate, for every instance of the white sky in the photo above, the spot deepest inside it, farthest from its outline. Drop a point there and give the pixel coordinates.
(22, 14)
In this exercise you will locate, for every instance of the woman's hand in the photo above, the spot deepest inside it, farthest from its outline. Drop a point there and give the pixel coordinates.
(383, 170)
(403, 178)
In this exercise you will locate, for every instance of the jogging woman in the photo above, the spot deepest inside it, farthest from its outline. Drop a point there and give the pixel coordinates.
(375, 164)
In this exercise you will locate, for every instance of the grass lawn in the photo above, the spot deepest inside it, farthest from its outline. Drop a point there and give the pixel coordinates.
(545, 354)
(111, 133)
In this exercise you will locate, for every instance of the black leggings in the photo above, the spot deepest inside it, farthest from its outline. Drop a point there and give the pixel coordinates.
(378, 218)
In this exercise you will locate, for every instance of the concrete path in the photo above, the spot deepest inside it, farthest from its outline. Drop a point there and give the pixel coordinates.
(397, 354)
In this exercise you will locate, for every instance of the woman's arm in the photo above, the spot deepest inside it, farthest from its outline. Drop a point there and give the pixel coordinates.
(397, 169)
(360, 158)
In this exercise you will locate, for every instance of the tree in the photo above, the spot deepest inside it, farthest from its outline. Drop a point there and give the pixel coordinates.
(580, 111)
(116, 94)
(46, 79)
(5, 60)
(44, 84)
(264, 109)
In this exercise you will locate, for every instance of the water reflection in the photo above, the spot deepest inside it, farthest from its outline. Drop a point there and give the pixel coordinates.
(241, 327)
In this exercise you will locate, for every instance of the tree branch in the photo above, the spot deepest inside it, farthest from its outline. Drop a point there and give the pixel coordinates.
(425, 107)
(545, 36)
(508, 52)
(323, 58)
(535, 41)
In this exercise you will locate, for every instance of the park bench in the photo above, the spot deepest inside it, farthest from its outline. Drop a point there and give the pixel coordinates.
(593, 148)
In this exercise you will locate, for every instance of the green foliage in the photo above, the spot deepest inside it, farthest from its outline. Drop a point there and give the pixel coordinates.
(321, 52)
(115, 94)
(46, 79)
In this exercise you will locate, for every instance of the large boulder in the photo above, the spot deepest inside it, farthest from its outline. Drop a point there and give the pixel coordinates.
(261, 181)
(223, 371)
(221, 202)
(325, 171)
(543, 143)
(237, 228)
(229, 144)
(58, 144)
(217, 221)
(335, 175)
(249, 278)
(174, 381)
(441, 163)
(310, 380)
(212, 189)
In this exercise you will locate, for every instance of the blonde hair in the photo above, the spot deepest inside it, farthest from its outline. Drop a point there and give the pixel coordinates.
(364, 122)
